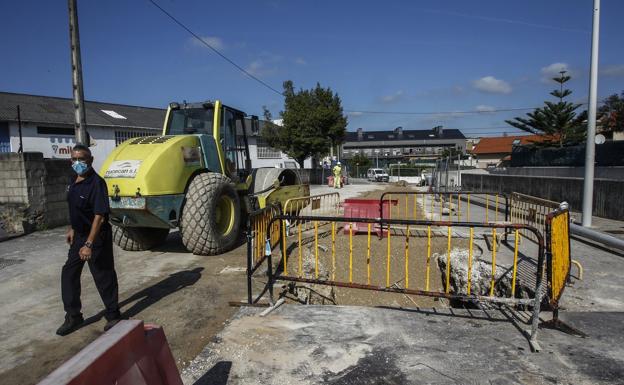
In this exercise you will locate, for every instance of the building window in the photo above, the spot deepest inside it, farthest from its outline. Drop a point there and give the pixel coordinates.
(68, 131)
(123, 135)
(264, 151)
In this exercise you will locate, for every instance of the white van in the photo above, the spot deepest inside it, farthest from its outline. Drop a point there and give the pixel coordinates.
(377, 175)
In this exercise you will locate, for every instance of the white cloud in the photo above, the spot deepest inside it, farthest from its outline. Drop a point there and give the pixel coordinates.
(259, 67)
(213, 41)
(392, 97)
(613, 70)
(265, 64)
(492, 85)
(552, 71)
(442, 118)
(300, 61)
(355, 113)
(484, 108)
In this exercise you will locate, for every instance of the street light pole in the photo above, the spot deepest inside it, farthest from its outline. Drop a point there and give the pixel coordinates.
(80, 121)
(590, 147)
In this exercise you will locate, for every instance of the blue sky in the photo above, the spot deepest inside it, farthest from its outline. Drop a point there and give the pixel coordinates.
(410, 56)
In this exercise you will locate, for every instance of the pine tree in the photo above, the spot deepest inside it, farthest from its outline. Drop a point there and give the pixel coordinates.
(559, 122)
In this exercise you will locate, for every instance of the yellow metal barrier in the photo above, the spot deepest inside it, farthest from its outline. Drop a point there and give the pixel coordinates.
(532, 211)
(263, 235)
(259, 224)
(559, 260)
(314, 205)
(448, 205)
(355, 259)
(404, 264)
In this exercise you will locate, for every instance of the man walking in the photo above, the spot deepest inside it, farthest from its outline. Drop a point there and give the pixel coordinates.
(90, 240)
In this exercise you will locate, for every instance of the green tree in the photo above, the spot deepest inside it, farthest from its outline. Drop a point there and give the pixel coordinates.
(358, 164)
(451, 151)
(611, 114)
(312, 122)
(559, 122)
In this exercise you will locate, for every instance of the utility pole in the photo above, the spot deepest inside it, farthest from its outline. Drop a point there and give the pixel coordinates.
(459, 171)
(19, 128)
(80, 121)
(590, 147)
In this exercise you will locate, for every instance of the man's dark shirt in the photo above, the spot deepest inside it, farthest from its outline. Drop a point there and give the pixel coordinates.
(86, 199)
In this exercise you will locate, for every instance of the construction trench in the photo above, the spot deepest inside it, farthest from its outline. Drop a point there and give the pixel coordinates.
(415, 255)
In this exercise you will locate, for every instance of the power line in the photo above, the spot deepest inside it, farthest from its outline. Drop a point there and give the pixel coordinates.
(187, 29)
(465, 112)
(491, 132)
(441, 112)
(488, 128)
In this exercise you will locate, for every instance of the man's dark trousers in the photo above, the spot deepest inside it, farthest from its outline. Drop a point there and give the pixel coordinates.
(102, 268)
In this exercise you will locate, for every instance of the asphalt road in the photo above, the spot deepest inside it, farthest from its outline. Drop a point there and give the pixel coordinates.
(188, 295)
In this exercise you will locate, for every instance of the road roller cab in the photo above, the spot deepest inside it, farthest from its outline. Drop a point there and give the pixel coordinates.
(196, 176)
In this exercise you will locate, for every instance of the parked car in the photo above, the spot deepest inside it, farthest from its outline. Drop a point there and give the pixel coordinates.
(377, 175)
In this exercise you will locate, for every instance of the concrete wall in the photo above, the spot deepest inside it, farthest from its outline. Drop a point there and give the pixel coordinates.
(615, 173)
(58, 175)
(408, 179)
(32, 192)
(482, 161)
(607, 193)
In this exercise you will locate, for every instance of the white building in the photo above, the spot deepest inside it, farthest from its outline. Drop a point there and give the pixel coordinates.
(48, 127)
(262, 155)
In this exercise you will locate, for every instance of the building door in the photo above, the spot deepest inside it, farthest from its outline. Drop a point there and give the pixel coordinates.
(5, 137)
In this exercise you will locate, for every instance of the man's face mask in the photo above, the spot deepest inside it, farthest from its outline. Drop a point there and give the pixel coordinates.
(80, 167)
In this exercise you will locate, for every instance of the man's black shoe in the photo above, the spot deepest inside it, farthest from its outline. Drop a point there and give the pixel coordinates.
(71, 324)
(109, 325)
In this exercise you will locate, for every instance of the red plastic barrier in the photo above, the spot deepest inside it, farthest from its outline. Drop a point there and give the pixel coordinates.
(366, 208)
(330, 181)
(129, 354)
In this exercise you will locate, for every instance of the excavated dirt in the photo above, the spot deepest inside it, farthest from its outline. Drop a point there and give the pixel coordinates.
(345, 259)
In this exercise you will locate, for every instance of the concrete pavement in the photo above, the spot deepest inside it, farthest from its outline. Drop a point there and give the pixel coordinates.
(359, 345)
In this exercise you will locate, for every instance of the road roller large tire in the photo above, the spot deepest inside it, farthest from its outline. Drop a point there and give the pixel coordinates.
(138, 238)
(211, 217)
